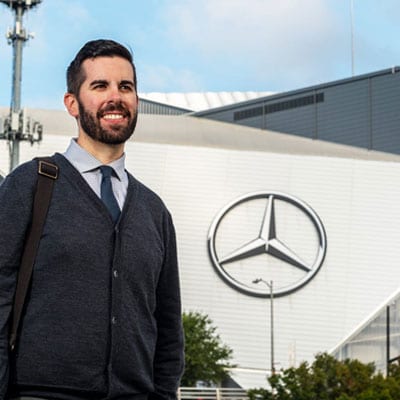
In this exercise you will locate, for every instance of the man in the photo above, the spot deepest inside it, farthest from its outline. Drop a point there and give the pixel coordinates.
(103, 315)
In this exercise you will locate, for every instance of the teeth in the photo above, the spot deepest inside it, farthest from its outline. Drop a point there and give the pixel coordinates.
(112, 116)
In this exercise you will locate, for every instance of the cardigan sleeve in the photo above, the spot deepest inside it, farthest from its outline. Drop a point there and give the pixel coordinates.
(15, 213)
(169, 356)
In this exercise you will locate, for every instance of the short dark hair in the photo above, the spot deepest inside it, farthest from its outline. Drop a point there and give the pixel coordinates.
(93, 49)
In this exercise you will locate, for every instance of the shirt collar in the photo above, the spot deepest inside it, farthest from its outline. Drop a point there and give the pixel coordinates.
(85, 162)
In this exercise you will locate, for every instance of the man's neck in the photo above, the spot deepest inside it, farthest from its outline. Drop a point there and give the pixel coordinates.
(106, 153)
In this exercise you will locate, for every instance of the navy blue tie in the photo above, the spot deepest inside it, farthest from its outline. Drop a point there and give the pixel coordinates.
(107, 194)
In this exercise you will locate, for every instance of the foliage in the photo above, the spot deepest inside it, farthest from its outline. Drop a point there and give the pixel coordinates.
(329, 379)
(206, 357)
(259, 394)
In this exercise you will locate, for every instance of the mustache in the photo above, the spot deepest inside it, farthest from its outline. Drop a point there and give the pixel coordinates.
(114, 107)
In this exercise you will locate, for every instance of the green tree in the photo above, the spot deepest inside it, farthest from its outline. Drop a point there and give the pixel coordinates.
(330, 379)
(206, 357)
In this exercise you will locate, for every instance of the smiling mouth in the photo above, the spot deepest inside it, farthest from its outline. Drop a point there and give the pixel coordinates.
(113, 112)
(113, 117)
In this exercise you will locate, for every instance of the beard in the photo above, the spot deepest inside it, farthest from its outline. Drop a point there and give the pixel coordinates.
(113, 135)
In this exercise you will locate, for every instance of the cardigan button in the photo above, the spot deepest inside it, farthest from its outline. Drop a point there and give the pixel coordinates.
(113, 320)
(115, 273)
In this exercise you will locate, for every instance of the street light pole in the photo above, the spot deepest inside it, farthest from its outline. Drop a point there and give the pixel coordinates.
(270, 285)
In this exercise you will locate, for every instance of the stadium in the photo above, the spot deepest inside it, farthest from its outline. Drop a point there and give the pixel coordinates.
(285, 217)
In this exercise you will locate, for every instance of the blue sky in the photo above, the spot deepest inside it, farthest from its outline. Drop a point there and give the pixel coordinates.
(206, 45)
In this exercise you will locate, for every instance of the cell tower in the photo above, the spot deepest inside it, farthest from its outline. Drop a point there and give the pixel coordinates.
(18, 126)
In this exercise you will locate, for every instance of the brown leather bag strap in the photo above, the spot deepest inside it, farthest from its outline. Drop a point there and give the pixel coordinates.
(47, 174)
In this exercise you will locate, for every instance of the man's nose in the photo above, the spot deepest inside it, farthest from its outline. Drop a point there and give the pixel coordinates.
(114, 94)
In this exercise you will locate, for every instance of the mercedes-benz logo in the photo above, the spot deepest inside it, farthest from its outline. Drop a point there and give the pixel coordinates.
(271, 235)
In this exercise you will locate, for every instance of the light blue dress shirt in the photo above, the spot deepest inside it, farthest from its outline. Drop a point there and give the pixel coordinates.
(88, 166)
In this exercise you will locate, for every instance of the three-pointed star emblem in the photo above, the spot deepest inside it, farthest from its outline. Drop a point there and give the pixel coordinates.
(268, 242)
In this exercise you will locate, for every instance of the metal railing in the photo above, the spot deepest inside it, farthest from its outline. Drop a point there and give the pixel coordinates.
(192, 393)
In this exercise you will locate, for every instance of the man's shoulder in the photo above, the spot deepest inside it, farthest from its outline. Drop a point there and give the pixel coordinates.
(24, 177)
(19, 185)
(24, 172)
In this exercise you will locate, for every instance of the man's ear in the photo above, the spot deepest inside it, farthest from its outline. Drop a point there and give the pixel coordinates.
(71, 104)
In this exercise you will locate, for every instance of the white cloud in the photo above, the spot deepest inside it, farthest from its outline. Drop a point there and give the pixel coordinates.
(299, 36)
(214, 26)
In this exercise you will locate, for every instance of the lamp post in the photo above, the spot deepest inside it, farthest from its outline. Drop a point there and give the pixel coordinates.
(270, 285)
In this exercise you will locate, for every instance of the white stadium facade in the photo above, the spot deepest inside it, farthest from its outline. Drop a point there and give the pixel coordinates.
(318, 220)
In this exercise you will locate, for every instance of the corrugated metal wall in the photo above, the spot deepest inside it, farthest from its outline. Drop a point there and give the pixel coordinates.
(361, 111)
(385, 113)
(152, 107)
(343, 116)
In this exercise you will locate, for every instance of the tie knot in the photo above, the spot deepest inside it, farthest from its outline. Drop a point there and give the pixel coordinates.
(106, 171)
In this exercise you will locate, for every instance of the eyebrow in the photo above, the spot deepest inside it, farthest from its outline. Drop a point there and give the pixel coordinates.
(105, 82)
(98, 81)
(127, 82)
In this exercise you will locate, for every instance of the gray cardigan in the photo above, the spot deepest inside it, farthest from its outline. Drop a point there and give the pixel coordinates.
(103, 316)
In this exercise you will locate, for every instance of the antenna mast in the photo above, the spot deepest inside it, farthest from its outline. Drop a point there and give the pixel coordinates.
(352, 36)
(18, 126)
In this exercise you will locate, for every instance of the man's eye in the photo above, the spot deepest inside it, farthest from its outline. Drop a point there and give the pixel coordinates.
(126, 87)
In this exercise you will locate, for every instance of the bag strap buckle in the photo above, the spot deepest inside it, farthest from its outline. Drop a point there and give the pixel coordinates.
(48, 169)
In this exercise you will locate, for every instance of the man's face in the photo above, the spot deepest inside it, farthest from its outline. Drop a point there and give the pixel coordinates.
(107, 100)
